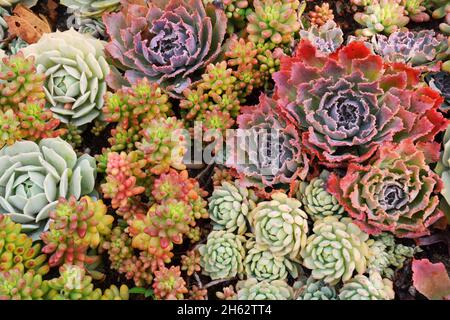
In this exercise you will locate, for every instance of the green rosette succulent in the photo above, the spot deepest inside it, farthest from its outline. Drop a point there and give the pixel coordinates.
(33, 177)
(316, 290)
(335, 250)
(317, 201)
(91, 8)
(229, 206)
(362, 287)
(280, 225)
(251, 289)
(262, 264)
(17, 285)
(223, 255)
(75, 69)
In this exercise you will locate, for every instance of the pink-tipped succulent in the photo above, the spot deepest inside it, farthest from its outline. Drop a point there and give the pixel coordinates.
(395, 192)
(348, 103)
(9, 128)
(191, 262)
(168, 284)
(321, 14)
(167, 44)
(140, 268)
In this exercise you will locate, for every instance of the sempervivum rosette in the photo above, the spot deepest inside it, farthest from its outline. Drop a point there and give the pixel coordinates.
(33, 177)
(395, 192)
(267, 150)
(166, 45)
(350, 102)
(76, 70)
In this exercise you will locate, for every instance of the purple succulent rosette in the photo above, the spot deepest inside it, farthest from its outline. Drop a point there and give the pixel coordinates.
(166, 45)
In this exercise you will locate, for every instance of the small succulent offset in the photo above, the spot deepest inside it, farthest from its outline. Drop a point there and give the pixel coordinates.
(252, 289)
(335, 250)
(33, 177)
(417, 48)
(91, 8)
(76, 70)
(166, 45)
(326, 38)
(316, 290)
(383, 16)
(362, 287)
(396, 192)
(416, 10)
(349, 103)
(229, 206)
(280, 225)
(223, 255)
(440, 81)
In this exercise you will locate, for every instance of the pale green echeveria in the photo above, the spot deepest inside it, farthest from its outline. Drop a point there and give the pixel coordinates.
(90, 8)
(326, 38)
(261, 264)
(223, 255)
(280, 225)
(315, 290)
(10, 3)
(33, 177)
(335, 250)
(229, 206)
(252, 289)
(75, 69)
(362, 287)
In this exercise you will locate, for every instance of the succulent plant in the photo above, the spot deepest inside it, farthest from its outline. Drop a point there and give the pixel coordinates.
(317, 201)
(367, 288)
(196, 293)
(20, 81)
(326, 38)
(229, 206)
(416, 10)
(251, 289)
(221, 175)
(118, 246)
(280, 225)
(223, 255)
(396, 192)
(386, 16)
(15, 284)
(267, 150)
(417, 48)
(316, 290)
(336, 249)
(16, 45)
(9, 128)
(347, 111)
(17, 250)
(169, 45)
(140, 268)
(75, 227)
(33, 176)
(3, 26)
(440, 81)
(94, 27)
(75, 66)
(191, 262)
(10, 3)
(263, 264)
(227, 293)
(273, 20)
(168, 284)
(321, 14)
(443, 168)
(91, 8)
(235, 10)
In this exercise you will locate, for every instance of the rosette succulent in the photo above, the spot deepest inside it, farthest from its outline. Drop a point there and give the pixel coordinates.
(416, 48)
(166, 45)
(317, 201)
(367, 288)
(335, 250)
(267, 150)
(76, 70)
(280, 225)
(396, 192)
(33, 177)
(385, 16)
(168, 284)
(251, 289)
(223, 255)
(229, 206)
(440, 81)
(326, 38)
(349, 103)
(90, 8)
(316, 290)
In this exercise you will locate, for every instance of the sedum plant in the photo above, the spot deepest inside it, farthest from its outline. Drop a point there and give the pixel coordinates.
(76, 70)
(336, 249)
(33, 177)
(191, 262)
(321, 14)
(16, 284)
(280, 226)
(316, 290)
(362, 287)
(223, 255)
(168, 284)
(416, 10)
(251, 289)
(91, 8)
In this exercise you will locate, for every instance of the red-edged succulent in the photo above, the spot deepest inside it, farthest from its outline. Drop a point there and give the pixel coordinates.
(395, 192)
